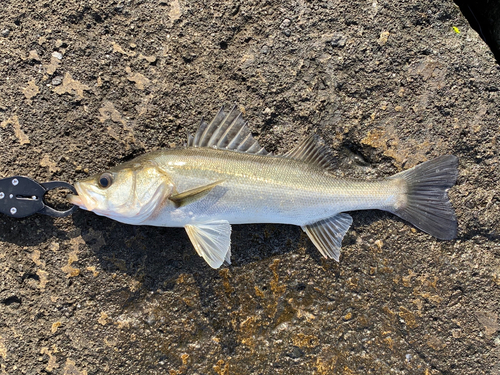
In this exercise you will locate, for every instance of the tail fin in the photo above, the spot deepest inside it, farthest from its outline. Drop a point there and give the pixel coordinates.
(427, 205)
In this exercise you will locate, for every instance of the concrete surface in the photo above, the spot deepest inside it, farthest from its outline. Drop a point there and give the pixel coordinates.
(387, 84)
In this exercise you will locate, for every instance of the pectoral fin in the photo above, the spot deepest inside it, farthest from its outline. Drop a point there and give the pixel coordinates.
(190, 196)
(212, 241)
(327, 234)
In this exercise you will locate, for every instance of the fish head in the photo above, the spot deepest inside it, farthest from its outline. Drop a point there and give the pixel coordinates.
(129, 193)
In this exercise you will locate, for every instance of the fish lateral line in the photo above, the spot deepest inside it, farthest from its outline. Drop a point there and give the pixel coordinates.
(295, 188)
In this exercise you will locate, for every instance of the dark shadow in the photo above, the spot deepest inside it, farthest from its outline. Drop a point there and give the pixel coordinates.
(157, 257)
(484, 17)
(31, 231)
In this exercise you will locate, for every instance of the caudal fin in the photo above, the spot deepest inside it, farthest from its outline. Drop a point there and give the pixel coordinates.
(427, 205)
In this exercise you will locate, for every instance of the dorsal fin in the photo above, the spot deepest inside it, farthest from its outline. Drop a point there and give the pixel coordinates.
(190, 140)
(226, 131)
(311, 151)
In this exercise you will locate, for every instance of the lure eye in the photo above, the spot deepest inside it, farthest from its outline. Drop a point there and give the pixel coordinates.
(105, 180)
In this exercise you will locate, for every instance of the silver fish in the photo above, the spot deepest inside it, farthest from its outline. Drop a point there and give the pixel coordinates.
(225, 177)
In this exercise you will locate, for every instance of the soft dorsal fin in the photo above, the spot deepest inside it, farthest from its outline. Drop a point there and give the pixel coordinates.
(190, 140)
(311, 151)
(226, 131)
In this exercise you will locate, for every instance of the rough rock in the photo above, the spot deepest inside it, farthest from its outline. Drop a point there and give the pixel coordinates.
(386, 84)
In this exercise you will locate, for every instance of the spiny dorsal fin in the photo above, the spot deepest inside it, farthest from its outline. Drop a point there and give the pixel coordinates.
(327, 234)
(311, 151)
(226, 131)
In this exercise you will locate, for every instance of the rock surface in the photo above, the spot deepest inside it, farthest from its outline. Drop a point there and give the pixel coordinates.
(387, 84)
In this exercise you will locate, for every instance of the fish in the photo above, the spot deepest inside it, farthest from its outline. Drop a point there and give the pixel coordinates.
(223, 176)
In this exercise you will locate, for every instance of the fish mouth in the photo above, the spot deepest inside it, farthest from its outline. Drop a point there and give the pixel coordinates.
(81, 200)
(76, 200)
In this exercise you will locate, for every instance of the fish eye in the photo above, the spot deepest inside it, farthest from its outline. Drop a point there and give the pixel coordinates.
(105, 180)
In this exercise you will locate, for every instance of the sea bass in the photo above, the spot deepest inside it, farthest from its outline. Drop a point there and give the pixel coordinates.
(225, 177)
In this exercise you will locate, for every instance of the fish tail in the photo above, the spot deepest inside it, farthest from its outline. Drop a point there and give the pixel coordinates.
(426, 204)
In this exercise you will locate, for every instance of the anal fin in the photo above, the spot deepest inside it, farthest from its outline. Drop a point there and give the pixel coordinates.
(327, 234)
(212, 241)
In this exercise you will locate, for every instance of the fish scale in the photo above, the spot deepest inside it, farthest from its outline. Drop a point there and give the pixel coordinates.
(282, 190)
(225, 177)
